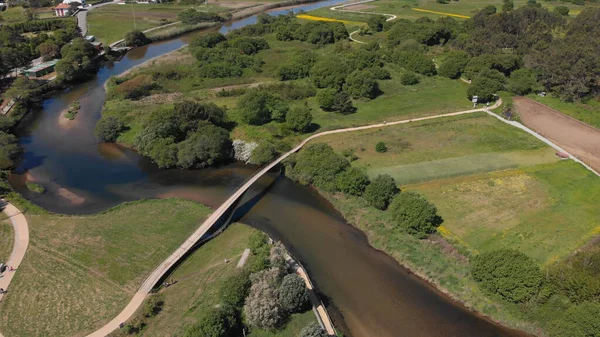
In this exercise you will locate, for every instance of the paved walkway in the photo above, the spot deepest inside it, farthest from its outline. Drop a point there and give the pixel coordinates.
(21, 230)
(166, 265)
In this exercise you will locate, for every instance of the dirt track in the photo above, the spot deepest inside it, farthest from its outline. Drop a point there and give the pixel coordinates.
(580, 139)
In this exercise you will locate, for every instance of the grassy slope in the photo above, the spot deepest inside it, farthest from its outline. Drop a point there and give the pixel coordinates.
(440, 148)
(404, 8)
(81, 271)
(110, 23)
(7, 239)
(588, 112)
(198, 280)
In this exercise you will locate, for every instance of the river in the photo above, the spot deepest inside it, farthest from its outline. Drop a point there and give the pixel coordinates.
(368, 293)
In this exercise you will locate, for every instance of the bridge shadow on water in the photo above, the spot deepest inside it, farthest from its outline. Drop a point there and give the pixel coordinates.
(238, 210)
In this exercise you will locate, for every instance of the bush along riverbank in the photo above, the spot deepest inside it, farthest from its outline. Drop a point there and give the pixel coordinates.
(558, 300)
(262, 296)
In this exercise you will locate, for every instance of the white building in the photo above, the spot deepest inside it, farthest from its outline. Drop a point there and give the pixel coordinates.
(68, 2)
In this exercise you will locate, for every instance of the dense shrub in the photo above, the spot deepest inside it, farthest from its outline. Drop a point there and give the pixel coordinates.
(298, 65)
(208, 40)
(10, 150)
(263, 154)
(578, 276)
(409, 78)
(108, 129)
(258, 107)
(381, 191)
(484, 88)
(249, 45)
(299, 118)
(290, 91)
(312, 330)
(380, 73)
(512, 275)
(215, 322)
(375, 22)
(293, 294)
(317, 164)
(330, 72)
(454, 64)
(361, 83)
(325, 98)
(192, 17)
(522, 82)
(415, 61)
(414, 214)
(262, 309)
(352, 181)
(209, 145)
(578, 321)
(136, 38)
(234, 289)
(380, 147)
(136, 87)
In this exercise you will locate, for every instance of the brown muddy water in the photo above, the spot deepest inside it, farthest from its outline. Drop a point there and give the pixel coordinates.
(368, 293)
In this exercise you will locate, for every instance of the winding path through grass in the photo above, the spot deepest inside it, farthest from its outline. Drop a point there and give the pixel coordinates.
(338, 8)
(21, 229)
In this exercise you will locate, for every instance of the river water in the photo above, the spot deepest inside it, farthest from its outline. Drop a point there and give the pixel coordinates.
(368, 293)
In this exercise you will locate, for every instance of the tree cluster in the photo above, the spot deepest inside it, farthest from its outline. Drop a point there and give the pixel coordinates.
(77, 61)
(192, 17)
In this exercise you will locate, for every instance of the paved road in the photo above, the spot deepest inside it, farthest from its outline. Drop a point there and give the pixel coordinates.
(166, 265)
(21, 230)
(82, 16)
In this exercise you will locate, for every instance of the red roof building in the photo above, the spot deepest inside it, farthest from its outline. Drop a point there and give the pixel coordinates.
(62, 10)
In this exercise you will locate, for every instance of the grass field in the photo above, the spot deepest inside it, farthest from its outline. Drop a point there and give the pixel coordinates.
(14, 14)
(110, 23)
(587, 112)
(449, 147)
(80, 271)
(546, 211)
(198, 280)
(7, 239)
(414, 9)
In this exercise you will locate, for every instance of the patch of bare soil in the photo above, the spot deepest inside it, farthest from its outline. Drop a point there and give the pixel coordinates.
(72, 197)
(160, 98)
(578, 138)
(176, 56)
(235, 86)
(359, 7)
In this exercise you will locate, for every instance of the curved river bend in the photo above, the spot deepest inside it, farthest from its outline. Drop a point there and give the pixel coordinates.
(370, 293)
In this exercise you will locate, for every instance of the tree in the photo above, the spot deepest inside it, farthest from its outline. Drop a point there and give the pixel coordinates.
(484, 88)
(380, 147)
(215, 322)
(414, 214)
(512, 275)
(208, 146)
(136, 38)
(381, 191)
(77, 60)
(454, 64)
(249, 45)
(234, 289)
(361, 83)
(522, 81)
(508, 5)
(318, 164)
(259, 107)
(208, 40)
(30, 15)
(342, 103)
(352, 181)
(329, 72)
(188, 113)
(10, 150)
(578, 321)
(312, 330)
(409, 78)
(298, 65)
(263, 154)
(192, 17)
(108, 129)
(326, 98)
(293, 294)
(562, 10)
(299, 118)
(415, 61)
(375, 22)
(262, 309)
(49, 50)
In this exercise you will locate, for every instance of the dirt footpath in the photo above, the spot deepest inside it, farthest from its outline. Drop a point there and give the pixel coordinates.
(578, 138)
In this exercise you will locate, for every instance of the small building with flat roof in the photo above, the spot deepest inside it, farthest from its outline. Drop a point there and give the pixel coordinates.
(41, 69)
